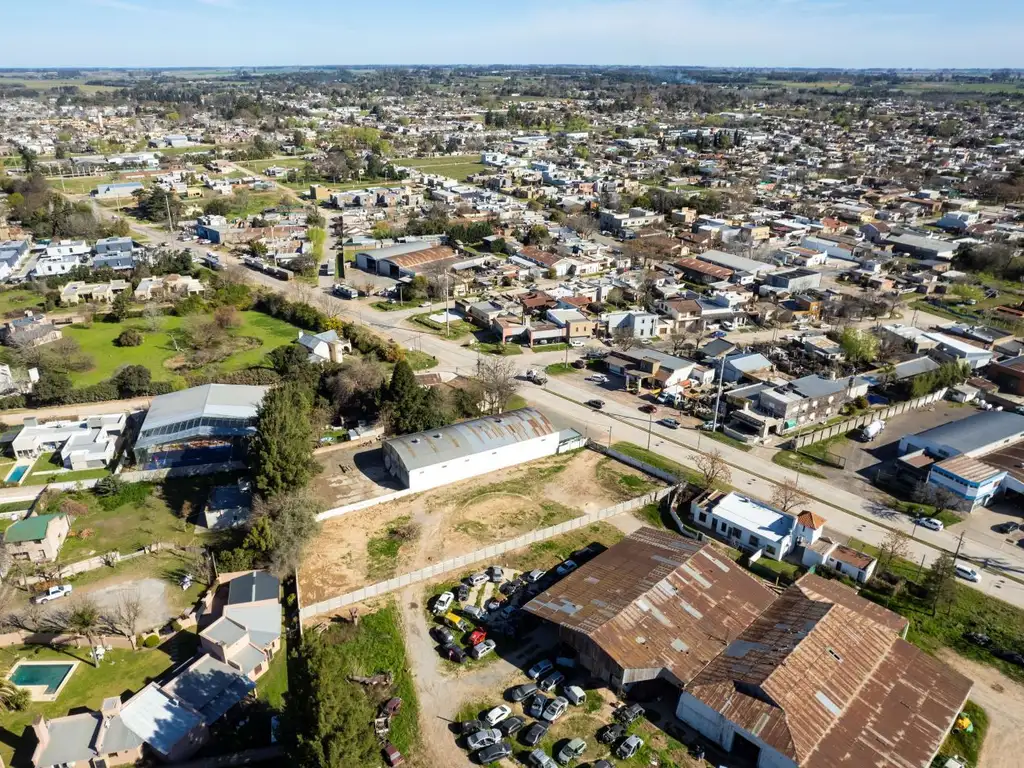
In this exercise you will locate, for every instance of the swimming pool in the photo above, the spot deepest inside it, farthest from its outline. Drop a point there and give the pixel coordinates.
(17, 473)
(43, 679)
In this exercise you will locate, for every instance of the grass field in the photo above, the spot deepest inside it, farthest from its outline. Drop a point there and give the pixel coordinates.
(454, 166)
(458, 328)
(121, 671)
(83, 185)
(258, 166)
(46, 85)
(46, 470)
(501, 350)
(157, 349)
(18, 300)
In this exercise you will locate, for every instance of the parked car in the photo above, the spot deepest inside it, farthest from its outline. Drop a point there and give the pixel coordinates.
(532, 735)
(512, 726)
(539, 759)
(555, 708)
(572, 751)
(669, 422)
(534, 576)
(566, 568)
(575, 695)
(443, 602)
(629, 747)
(474, 612)
(471, 726)
(452, 652)
(496, 573)
(484, 738)
(629, 714)
(931, 523)
(521, 692)
(476, 579)
(509, 588)
(602, 764)
(611, 733)
(496, 715)
(542, 667)
(53, 593)
(480, 650)
(597, 405)
(536, 706)
(443, 635)
(457, 622)
(392, 756)
(648, 408)
(461, 593)
(493, 604)
(967, 573)
(549, 683)
(598, 378)
(1008, 527)
(492, 754)
(579, 364)
(391, 707)
(577, 343)
(476, 636)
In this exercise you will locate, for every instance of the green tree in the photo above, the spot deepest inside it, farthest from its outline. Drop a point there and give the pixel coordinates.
(132, 380)
(12, 698)
(129, 337)
(940, 581)
(53, 388)
(326, 716)
(258, 249)
(315, 219)
(121, 305)
(218, 206)
(968, 292)
(407, 407)
(282, 450)
(84, 619)
(293, 525)
(858, 346)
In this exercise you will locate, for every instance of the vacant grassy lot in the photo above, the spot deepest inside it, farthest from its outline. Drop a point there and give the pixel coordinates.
(257, 335)
(502, 350)
(46, 85)
(797, 462)
(455, 328)
(83, 185)
(454, 166)
(121, 671)
(17, 300)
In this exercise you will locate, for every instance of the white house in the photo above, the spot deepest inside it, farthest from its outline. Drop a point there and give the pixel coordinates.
(325, 347)
(87, 444)
(446, 455)
(859, 566)
(752, 525)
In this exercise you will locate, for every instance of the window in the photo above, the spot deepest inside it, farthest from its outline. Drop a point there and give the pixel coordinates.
(702, 517)
(754, 541)
(770, 549)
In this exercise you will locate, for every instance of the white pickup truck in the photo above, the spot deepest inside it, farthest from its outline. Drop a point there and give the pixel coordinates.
(53, 593)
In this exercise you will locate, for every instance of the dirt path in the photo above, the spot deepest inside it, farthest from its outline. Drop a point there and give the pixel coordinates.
(1003, 700)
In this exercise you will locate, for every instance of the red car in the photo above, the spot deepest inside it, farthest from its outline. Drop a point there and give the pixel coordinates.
(648, 408)
(392, 756)
(477, 636)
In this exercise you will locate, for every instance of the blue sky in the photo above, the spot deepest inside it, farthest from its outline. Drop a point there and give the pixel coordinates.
(807, 33)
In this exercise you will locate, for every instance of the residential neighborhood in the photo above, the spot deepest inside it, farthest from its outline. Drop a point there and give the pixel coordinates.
(511, 415)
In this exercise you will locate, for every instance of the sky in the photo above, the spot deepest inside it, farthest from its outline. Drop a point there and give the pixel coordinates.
(744, 33)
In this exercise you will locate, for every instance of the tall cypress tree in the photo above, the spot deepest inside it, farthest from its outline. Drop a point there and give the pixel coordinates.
(281, 455)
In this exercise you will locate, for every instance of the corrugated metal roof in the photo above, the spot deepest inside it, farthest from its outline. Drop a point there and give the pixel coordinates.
(977, 431)
(421, 257)
(656, 601)
(830, 683)
(229, 401)
(456, 441)
(969, 469)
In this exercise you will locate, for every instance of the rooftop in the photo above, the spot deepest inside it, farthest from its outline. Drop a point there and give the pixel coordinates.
(755, 516)
(976, 432)
(30, 529)
(656, 601)
(425, 449)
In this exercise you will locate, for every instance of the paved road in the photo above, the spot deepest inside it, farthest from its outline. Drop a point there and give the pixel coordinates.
(847, 514)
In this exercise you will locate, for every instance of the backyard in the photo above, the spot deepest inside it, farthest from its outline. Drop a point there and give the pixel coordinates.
(162, 351)
(120, 671)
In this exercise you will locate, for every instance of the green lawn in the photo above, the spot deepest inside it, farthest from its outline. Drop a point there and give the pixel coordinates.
(501, 350)
(97, 341)
(658, 461)
(8, 80)
(394, 306)
(121, 672)
(419, 361)
(17, 300)
(47, 470)
(383, 550)
(455, 328)
(558, 369)
(515, 402)
(732, 442)
(83, 185)
(547, 554)
(273, 686)
(455, 166)
(796, 462)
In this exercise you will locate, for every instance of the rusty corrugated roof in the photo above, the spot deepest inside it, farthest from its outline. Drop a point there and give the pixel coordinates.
(656, 601)
(828, 684)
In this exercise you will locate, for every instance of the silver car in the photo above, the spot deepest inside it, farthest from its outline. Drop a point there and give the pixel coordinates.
(555, 709)
(482, 739)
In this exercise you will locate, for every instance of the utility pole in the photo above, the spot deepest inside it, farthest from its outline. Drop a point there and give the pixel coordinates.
(650, 427)
(447, 315)
(167, 203)
(959, 544)
(718, 396)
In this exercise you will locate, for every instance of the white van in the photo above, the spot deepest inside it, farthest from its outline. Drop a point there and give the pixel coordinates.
(575, 694)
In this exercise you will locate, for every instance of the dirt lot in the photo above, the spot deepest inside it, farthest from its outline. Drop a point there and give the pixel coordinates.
(1003, 700)
(366, 546)
(349, 474)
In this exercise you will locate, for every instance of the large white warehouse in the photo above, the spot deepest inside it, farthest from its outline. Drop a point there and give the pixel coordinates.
(456, 452)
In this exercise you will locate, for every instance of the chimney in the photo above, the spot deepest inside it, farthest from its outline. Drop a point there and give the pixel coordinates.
(42, 731)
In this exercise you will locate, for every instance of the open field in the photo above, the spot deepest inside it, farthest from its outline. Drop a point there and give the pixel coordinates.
(361, 547)
(83, 185)
(17, 300)
(120, 672)
(7, 81)
(455, 166)
(257, 335)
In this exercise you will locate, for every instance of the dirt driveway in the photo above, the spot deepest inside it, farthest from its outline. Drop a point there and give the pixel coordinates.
(1003, 700)
(155, 595)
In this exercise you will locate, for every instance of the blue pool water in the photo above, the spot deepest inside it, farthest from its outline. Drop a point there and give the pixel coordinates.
(50, 675)
(17, 473)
